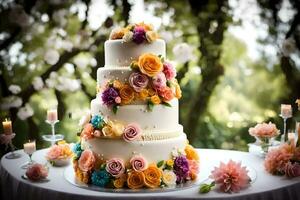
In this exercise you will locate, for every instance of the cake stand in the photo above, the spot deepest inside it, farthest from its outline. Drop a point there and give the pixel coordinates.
(53, 138)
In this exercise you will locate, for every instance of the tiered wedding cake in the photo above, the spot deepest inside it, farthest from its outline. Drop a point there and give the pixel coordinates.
(132, 137)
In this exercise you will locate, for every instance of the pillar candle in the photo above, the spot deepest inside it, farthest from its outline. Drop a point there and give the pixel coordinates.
(52, 115)
(286, 110)
(7, 127)
(29, 147)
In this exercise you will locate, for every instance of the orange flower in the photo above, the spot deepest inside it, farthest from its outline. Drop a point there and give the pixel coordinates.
(117, 33)
(147, 27)
(119, 182)
(152, 176)
(135, 180)
(151, 92)
(155, 99)
(191, 153)
(150, 64)
(166, 93)
(142, 95)
(126, 94)
(87, 132)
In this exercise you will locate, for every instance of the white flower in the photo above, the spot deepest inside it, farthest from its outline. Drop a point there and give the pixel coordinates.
(25, 112)
(15, 89)
(38, 83)
(169, 178)
(128, 36)
(175, 153)
(51, 56)
(11, 102)
(183, 52)
(66, 45)
(84, 119)
(288, 46)
(81, 61)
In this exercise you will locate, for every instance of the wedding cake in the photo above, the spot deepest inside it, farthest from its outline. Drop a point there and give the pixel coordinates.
(132, 137)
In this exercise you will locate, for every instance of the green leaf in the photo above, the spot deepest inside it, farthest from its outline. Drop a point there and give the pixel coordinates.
(160, 163)
(205, 188)
(162, 59)
(103, 166)
(166, 104)
(134, 66)
(150, 105)
(115, 109)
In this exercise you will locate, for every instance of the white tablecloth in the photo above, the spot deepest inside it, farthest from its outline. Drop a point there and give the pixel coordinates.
(265, 185)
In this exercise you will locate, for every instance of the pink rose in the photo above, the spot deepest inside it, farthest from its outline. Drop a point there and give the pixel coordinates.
(118, 100)
(138, 163)
(115, 167)
(166, 93)
(292, 169)
(86, 161)
(54, 152)
(169, 71)
(264, 130)
(131, 132)
(37, 172)
(138, 81)
(193, 166)
(159, 81)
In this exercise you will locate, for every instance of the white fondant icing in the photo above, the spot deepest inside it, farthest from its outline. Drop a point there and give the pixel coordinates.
(160, 119)
(153, 151)
(120, 53)
(108, 73)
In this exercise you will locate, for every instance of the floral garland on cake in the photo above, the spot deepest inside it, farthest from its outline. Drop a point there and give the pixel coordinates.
(100, 127)
(137, 172)
(152, 80)
(137, 33)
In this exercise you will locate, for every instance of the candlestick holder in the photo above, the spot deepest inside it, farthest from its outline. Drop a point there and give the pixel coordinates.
(53, 137)
(284, 137)
(7, 140)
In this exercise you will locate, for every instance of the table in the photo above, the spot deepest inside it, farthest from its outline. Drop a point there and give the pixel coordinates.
(265, 186)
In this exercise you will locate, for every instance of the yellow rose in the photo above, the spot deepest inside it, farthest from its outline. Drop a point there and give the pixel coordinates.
(135, 180)
(142, 95)
(152, 176)
(151, 36)
(151, 92)
(150, 64)
(117, 129)
(117, 84)
(155, 99)
(191, 153)
(178, 92)
(147, 27)
(117, 33)
(126, 94)
(118, 183)
(170, 162)
(107, 131)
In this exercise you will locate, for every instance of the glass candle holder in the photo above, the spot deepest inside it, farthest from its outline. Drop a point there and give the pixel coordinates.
(29, 149)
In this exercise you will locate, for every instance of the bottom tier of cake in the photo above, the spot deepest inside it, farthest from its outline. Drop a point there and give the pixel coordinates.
(115, 163)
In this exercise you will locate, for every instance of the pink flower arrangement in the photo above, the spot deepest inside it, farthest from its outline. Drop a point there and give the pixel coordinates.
(138, 163)
(86, 161)
(166, 93)
(115, 167)
(159, 81)
(264, 130)
(37, 172)
(131, 132)
(230, 177)
(169, 70)
(277, 160)
(138, 81)
(54, 152)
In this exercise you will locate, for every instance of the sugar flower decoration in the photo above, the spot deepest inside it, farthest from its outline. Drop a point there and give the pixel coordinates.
(115, 167)
(109, 95)
(100, 178)
(131, 132)
(37, 172)
(97, 121)
(138, 163)
(181, 168)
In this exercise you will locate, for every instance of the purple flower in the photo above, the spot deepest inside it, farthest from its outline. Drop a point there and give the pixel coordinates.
(138, 81)
(109, 95)
(139, 35)
(181, 168)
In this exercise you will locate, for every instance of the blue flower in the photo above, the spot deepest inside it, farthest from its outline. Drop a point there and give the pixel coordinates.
(97, 121)
(100, 178)
(77, 150)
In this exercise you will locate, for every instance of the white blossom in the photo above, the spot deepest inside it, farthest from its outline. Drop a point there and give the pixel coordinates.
(128, 36)
(11, 102)
(183, 52)
(166, 36)
(288, 46)
(67, 45)
(25, 112)
(38, 83)
(15, 89)
(81, 61)
(51, 56)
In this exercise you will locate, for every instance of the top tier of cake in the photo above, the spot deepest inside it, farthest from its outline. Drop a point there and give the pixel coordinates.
(119, 53)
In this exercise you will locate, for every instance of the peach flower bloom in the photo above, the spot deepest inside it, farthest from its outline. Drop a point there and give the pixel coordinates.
(264, 130)
(86, 161)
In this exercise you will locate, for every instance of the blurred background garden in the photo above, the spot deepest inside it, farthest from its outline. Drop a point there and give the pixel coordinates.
(237, 61)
